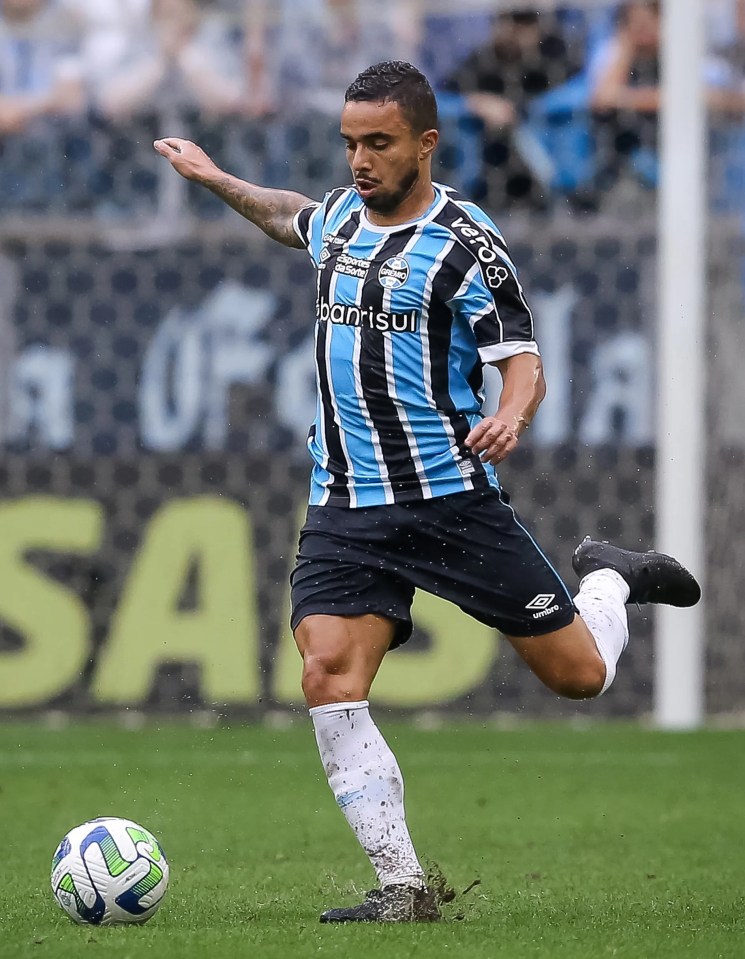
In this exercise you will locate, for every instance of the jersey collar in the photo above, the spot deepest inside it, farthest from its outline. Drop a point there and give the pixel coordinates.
(437, 204)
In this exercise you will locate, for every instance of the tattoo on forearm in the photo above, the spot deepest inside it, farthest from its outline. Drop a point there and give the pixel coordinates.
(271, 210)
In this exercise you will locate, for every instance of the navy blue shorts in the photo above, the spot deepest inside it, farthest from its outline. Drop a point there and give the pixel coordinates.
(469, 548)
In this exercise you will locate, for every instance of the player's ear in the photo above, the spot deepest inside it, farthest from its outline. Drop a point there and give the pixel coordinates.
(427, 143)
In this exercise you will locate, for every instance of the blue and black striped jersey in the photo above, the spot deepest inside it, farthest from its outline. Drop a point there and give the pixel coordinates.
(406, 318)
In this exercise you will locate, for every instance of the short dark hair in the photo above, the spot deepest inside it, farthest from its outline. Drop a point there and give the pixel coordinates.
(401, 83)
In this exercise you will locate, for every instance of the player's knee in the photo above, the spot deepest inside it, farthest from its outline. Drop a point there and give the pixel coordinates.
(328, 678)
(585, 682)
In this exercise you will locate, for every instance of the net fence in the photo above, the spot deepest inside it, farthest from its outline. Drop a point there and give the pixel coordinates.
(156, 364)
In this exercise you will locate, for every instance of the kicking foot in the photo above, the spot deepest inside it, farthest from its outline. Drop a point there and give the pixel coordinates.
(651, 577)
(391, 904)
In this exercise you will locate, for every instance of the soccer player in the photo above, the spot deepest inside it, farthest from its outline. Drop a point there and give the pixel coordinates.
(416, 291)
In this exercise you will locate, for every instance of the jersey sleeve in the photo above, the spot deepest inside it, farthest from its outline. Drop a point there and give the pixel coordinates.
(490, 296)
(303, 221)
(310, 222)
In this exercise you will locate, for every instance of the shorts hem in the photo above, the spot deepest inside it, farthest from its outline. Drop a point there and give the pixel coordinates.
(540, 628)
(403, 627)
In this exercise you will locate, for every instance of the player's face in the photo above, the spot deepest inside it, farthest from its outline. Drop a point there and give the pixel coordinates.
(385, 155)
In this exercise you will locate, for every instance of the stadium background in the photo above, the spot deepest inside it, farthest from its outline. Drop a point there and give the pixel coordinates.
(155, 370)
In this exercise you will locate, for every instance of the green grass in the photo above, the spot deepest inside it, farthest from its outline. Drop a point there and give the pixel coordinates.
(612, 841)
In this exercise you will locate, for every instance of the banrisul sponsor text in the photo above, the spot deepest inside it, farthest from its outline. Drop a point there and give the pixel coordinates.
(369, 319)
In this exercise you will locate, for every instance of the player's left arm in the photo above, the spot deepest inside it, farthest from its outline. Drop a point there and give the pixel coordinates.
(490, 298)
(523, 389)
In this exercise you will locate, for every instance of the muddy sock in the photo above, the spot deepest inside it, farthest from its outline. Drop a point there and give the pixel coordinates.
(601, 602)
(369, 789)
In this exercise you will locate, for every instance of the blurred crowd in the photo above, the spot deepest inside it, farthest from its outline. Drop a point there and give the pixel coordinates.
(538, 108)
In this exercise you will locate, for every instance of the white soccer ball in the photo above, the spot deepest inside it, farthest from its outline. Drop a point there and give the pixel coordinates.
(109, 871)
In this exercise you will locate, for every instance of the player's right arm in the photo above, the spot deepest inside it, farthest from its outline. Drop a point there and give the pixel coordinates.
(273, 211)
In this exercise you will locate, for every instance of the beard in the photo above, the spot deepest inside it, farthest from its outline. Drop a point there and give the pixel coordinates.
(389, 201)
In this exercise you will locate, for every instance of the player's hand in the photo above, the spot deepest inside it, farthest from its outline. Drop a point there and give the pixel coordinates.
(186, 158)
(492, 439)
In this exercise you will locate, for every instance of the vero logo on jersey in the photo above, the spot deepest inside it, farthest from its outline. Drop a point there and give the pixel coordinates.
(394, 273)
(479, 240)
(496, 275)
(483, 245)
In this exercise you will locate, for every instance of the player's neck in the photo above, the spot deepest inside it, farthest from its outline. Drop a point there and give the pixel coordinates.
(411, 207)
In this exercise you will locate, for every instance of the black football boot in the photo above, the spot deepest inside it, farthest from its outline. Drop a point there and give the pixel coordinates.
(651, 577)
(391, 904)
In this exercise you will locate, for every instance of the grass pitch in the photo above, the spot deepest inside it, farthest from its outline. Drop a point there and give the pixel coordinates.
(608, 842)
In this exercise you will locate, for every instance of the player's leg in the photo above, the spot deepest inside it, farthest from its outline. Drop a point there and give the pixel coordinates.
(579, 661)
(570, 661)
(472, 549)
(341, 657)
(349, 606)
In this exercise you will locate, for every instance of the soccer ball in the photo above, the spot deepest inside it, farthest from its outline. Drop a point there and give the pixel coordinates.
(109, 871)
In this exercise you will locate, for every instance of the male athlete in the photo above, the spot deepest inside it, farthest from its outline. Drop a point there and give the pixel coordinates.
(415, 292)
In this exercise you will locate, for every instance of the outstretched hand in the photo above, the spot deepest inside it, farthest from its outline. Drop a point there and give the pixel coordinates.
(492, 439)
(186, 158)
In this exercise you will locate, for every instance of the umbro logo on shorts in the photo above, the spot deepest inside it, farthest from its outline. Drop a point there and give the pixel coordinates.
(542, 602)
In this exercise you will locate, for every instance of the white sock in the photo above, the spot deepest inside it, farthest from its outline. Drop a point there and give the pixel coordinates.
(601, 602)
(369, 789)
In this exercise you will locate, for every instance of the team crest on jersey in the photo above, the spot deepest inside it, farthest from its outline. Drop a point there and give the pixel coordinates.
(394, 273)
